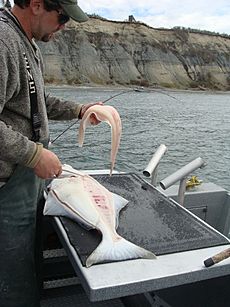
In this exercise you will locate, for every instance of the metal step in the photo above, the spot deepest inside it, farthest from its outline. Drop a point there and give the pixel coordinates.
(73, 296)
(62, 282)
(56, 265)
(61, 287)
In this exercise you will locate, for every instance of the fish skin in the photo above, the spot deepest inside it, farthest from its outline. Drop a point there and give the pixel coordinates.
(83, 199)
(107, 114)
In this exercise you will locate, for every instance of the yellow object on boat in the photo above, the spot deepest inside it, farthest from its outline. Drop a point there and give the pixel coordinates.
(192, 182)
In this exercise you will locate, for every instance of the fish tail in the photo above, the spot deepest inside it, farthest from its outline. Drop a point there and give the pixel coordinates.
(117, 251)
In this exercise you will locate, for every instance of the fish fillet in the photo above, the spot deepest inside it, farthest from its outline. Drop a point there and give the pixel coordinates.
(83, 199)
(107, 114)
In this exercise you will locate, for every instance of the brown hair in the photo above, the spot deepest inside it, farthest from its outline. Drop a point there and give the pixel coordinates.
(22, 3)
(49, 5)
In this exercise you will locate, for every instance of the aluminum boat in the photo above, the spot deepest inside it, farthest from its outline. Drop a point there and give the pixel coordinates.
(185, 225)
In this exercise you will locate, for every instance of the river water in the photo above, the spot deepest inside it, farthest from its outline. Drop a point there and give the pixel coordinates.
(191, 124)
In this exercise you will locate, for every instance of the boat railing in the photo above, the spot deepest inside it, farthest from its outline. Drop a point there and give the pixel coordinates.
(152, 167)
(181, 175)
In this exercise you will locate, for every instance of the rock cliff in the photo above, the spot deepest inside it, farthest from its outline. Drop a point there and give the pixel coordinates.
(107, 52)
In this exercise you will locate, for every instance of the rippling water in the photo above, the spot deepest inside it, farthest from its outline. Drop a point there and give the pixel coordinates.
(190, 124)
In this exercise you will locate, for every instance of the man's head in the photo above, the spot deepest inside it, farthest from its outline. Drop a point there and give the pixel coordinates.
(69, 7)
(42, 18)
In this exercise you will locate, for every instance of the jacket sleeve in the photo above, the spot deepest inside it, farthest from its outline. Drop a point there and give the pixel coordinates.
(60, 109)
(15, 147)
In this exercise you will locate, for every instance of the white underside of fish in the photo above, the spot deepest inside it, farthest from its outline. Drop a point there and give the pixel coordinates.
(81, 198)
(107, 114)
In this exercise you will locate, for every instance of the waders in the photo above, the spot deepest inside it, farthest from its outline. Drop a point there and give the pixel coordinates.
(18, 205)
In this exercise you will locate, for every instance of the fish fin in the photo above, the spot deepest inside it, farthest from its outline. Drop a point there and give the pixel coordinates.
(81, 130)
(54, 207)
(68, 170)
(81, 133)
(106, 114)
(117, 251)
(119, 203)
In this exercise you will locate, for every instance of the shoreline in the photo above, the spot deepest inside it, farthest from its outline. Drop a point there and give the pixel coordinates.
(123, 87)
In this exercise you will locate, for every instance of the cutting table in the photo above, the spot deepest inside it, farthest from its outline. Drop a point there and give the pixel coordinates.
(180, 240)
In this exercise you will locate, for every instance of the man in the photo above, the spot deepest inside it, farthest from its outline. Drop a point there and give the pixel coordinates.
(25, 160)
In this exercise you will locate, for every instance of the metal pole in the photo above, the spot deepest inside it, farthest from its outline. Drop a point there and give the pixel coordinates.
(181, 191)
(154, 177)
(151, 169)
(181, 173)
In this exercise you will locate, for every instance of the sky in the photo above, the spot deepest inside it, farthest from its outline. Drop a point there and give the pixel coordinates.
(210, 15)
(207, 15)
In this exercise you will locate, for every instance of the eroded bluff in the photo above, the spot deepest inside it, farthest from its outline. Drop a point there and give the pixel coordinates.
(108, 52)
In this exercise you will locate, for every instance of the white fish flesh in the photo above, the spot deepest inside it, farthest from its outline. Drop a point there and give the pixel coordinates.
(107, 114)
(81, 198)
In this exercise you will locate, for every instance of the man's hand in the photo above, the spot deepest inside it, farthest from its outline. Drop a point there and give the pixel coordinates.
(48, 166)
(93, 119)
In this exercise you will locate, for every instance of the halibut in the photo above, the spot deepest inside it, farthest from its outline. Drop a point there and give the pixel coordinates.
(81, 198)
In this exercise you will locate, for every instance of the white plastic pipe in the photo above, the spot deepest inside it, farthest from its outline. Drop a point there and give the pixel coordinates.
(155, 160)
(181, 191)
(181, 173)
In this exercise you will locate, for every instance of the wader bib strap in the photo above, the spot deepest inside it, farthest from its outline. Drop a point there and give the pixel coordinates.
(18, 206)
(35, 115)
